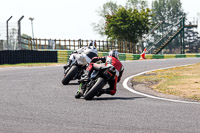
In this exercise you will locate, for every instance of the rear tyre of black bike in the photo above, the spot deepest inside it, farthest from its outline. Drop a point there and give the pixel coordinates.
(95, 89)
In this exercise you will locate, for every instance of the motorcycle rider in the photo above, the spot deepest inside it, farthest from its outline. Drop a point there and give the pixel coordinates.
(111, 60)
(88, 52)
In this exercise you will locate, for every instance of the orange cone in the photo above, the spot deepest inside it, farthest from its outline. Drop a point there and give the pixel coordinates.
(142, 56)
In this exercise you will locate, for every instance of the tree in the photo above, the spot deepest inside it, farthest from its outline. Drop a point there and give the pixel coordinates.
(136, 4)
(124, 23)
(169, 11)
(128, 24)
(108, 8)
(192, 41)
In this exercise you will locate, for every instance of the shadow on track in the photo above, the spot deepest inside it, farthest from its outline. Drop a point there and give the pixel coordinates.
(117, 98)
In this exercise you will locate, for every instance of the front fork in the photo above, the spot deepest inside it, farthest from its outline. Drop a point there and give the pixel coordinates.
(66, 70)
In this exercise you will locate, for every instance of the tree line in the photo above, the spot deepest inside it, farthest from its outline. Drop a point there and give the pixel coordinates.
(135, 19)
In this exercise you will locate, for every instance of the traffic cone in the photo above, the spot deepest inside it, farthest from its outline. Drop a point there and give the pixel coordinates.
(142, 56)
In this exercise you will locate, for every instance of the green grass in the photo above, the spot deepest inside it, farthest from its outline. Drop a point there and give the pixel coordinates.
(179, 81)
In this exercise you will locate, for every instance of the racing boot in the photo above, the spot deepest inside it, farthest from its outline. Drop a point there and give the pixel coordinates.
(80, 91)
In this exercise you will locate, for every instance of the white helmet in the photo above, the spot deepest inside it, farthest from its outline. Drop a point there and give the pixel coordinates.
(114, 53)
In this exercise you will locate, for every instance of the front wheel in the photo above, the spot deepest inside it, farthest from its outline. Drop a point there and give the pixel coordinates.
(69, 75)
(95, 89)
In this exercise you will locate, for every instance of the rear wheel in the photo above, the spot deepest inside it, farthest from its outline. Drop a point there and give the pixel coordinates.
(69, 75)
(95, 89)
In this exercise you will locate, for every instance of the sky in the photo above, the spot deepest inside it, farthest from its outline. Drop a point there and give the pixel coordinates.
(64, 19)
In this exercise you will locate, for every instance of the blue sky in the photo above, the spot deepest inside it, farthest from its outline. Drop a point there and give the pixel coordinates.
(64, 19)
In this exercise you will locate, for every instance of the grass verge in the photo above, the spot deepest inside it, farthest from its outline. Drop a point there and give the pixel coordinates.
(179, 81)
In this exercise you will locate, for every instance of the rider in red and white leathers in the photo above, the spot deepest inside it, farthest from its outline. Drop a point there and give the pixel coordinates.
(110, 60)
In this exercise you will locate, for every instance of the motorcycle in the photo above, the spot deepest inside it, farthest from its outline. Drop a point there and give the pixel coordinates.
(75, 69)
(98, 79)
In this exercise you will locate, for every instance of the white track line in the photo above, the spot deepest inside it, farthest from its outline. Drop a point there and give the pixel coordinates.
(125, 84)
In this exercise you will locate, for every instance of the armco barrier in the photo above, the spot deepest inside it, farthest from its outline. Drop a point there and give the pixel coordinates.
(168, 56)
(105, 53)
(62, 56)
(149, 56)
(122, 56)
(27, 56)
(101, 54)
(136, 56)
(190, 55)
(156, 56)
(126, 56)
(180, 56)
(129, 56)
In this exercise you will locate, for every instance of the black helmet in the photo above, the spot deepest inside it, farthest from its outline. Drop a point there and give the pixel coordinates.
(92, 44)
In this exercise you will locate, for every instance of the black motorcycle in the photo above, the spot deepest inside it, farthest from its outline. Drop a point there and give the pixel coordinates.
(75, 69)
(98, 79)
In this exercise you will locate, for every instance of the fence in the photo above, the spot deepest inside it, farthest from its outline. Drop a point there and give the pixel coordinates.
(102, 46)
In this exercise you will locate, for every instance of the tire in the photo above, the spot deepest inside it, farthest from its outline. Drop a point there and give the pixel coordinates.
(69, 75)
(95, 89)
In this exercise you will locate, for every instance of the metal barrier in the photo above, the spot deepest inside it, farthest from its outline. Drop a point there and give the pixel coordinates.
(62, 56)
(27, 56)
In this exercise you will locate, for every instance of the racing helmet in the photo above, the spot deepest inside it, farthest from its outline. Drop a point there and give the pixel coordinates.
(92, 45)
(114, 53)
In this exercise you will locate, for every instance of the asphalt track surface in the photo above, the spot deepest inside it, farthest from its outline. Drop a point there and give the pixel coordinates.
(33, 100)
